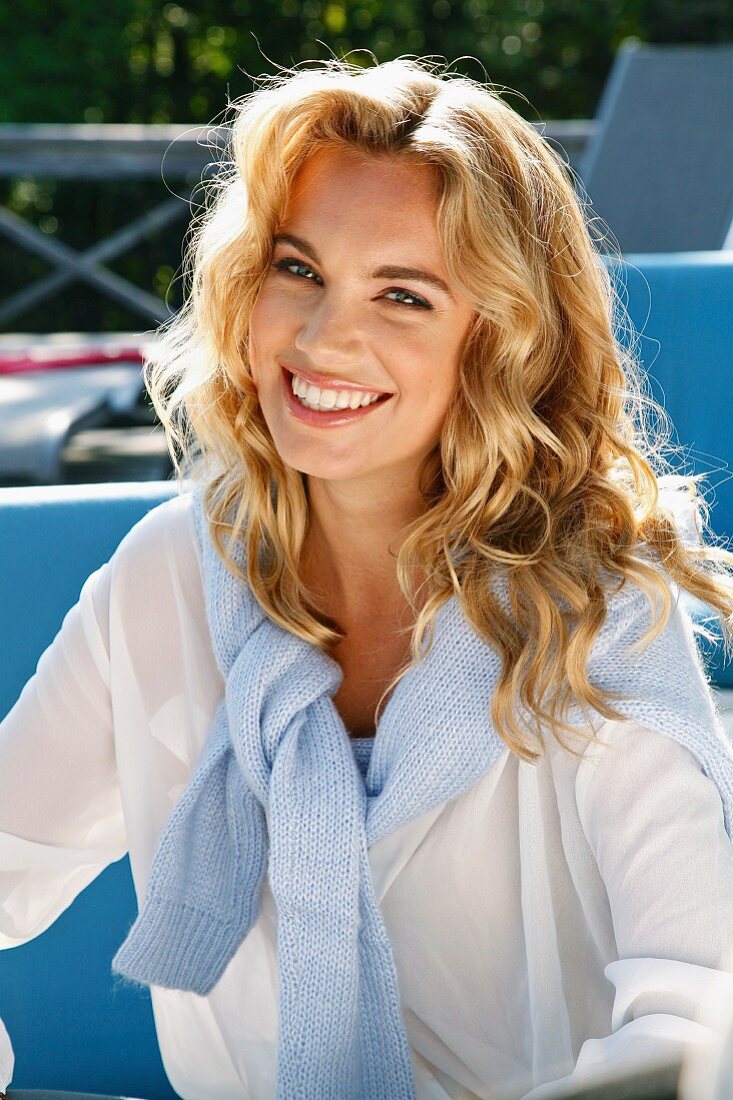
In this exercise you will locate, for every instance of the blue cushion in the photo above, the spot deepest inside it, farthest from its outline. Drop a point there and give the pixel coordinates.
(682, 306)
(72, 1026)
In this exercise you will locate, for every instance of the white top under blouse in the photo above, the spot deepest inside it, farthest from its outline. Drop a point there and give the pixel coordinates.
(566, 918)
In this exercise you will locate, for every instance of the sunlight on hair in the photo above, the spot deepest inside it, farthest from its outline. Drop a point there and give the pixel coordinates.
(550, 455)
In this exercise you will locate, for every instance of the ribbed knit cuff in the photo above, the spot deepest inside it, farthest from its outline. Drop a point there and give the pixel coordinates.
(177, 946)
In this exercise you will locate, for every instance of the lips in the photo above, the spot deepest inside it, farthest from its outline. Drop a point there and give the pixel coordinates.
(327, 382)
(325, 419)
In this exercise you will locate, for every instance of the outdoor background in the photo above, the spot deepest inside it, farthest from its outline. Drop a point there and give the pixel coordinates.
(142, 61)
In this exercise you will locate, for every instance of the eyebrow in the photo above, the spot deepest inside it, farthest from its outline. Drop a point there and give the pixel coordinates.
(387, 271)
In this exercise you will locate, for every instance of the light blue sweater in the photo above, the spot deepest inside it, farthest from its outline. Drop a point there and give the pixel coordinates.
(278, 789)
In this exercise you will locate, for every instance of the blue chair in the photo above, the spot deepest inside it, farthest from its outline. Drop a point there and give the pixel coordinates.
(72, 1026)
(657, 166)
(681, 304)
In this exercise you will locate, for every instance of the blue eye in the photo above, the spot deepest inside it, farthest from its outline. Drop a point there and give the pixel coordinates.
(298, 270)
(288, 262)
(416, 303)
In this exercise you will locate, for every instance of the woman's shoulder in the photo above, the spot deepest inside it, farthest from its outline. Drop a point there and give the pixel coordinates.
(168, 524)
(632, 607)
(157, 609)
(161, 545)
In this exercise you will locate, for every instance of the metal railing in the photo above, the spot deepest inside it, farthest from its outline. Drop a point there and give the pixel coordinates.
(125, 152)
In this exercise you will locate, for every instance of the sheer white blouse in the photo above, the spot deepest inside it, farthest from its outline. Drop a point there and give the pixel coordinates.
(588, 915)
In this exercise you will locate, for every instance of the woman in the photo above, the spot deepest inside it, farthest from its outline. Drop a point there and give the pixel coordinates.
(420, 797)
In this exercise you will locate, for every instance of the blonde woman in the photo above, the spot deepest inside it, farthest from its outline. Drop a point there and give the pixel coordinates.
(395, 706)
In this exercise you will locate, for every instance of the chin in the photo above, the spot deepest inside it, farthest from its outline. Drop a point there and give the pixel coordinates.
(324, 471)
(317, 458)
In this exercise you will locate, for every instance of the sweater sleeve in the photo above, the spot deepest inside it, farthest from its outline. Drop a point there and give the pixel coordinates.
(655, 824)
(61, 817)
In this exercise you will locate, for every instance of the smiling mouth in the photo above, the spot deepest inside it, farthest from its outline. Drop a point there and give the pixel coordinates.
(330, 399)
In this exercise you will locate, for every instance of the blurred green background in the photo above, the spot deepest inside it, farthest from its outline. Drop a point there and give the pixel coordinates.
(139, 61)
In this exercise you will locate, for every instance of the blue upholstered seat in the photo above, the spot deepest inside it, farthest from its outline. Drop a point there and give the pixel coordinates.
(71, 1026)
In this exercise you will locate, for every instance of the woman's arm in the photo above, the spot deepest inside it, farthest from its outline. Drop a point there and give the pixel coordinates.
(60, 811)
(655, 825)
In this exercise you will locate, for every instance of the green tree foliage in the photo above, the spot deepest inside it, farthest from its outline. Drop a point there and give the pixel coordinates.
(146, 61)
(72, 61)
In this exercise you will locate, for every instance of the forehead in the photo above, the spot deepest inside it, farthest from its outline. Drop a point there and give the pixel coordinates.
(377, 195)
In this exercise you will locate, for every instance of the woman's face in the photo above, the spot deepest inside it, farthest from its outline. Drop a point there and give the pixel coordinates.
(356, 303)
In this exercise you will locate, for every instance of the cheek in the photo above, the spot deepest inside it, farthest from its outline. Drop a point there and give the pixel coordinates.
(267, 330)
(432, 374)
(259, 327)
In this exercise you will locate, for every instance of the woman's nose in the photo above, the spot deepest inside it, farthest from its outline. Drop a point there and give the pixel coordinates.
(331, 332)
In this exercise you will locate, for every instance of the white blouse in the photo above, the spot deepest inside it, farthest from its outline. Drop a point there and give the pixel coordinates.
(566, 918)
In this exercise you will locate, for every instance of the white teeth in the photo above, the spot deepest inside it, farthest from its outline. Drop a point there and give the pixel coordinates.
(328, 399)
(314, 398)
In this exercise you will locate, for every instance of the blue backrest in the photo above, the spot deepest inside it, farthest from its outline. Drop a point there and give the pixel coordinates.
(682, 306)
(657, 167)
(72, 1026)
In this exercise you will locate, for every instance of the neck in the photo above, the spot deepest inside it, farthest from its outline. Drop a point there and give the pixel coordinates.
(351, 548)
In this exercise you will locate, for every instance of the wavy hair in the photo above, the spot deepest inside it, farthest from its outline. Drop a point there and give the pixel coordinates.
(547, 467)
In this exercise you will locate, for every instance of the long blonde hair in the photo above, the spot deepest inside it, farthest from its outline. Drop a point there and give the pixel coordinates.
(546, 467)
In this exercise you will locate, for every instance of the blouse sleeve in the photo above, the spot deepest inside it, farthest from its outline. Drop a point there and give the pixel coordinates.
(61, 817)
(655, 824)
